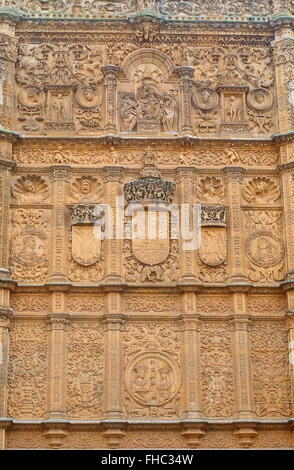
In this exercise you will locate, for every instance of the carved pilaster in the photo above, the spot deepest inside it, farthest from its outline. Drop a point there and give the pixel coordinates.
(57, 324)
(113, 359)
(110, 83)
(185, 73)
(287, 180)
(8, 57)
(290, 326)
(234, 176)
(241, 356)
(283, 49)
(113, 220)
(190, 328)
(186, 188)
(5, 315)
(59, 176)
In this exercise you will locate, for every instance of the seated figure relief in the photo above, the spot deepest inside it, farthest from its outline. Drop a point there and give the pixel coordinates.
(148, 109)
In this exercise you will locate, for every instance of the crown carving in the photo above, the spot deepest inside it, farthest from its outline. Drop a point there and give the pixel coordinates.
(150, 186)
(88, 214)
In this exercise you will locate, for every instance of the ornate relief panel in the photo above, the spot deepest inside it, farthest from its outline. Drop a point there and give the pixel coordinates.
(216, 156)
(147, 303)
(27, 375)
(264, 245)
(232, 89)
(270, 369)
(152, 370)
(148, 100)
(29, 244)
(59, 89)
(85, 370)
(217, 369)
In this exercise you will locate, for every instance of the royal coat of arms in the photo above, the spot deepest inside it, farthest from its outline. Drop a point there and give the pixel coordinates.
(213, 248)
(86, 247)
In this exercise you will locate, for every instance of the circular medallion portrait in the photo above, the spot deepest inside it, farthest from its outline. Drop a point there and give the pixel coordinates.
(87, 97)
(29, 247)
(205, 98)
(264, 250)
(32, 97)
(260, 99)
(152, 378)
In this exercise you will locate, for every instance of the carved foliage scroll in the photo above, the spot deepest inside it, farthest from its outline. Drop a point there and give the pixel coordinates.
(85, 370)
(27, 377)
(270, 376)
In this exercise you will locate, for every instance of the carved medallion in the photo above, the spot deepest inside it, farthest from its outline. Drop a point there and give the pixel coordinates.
(87, 97)
(86, 248)
(260, 99)
(261, 190)
(205, 98)
(263, 249)
(30, 188)
(28, 247)
(152, 378)
(31, 97)
(213, 248)
(86, 188)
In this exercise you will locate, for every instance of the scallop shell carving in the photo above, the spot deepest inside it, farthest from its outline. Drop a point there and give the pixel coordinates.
(86, 188)
(211, 189)
(30, 188)
(261, 190)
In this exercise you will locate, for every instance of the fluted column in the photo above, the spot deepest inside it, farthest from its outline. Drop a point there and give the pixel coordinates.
(186, 178)
(186, 74)
(113, 218)
(110, 84)
(234, 176)
(59, 176)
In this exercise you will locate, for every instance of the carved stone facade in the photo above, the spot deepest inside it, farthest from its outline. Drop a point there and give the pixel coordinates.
(107, 108)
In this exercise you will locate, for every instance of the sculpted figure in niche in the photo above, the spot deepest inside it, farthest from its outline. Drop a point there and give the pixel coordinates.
(127, 112)
(169, 117)
(233, 109)
(59, 108)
